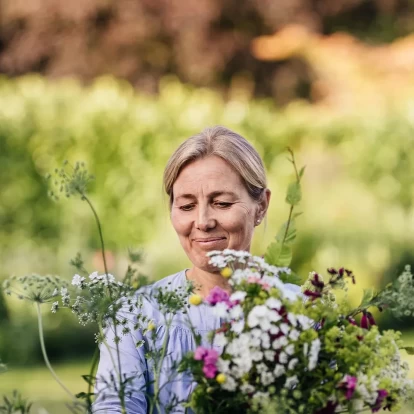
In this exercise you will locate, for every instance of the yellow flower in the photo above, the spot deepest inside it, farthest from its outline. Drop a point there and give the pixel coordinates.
(195, 300)
(226, 272)
(151, 326)
(221, 378)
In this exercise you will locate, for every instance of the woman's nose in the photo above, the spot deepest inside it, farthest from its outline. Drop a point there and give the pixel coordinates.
(205, 220)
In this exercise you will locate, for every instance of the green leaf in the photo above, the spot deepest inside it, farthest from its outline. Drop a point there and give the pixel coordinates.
(367, 297)
(290, 235)
(294, 194)
(89, 379)
(409, 349)
(278, 254)
(290, 278)
(302, 170)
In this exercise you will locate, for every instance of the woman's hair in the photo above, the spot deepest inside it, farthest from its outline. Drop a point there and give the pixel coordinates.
(229, 146)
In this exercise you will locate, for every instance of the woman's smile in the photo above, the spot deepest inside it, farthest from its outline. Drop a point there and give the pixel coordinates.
(209, 243)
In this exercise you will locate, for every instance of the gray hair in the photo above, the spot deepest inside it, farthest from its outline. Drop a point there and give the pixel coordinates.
(224, 143)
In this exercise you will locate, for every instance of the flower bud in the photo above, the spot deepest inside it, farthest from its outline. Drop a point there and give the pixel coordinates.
(364, 321)
(195, 300)
(221, 378)
(226, 272)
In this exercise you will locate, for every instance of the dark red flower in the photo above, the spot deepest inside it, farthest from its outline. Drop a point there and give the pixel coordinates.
(329, 409)
(382, 395)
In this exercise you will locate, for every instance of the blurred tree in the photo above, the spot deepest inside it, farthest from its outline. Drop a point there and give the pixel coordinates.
(203, 42)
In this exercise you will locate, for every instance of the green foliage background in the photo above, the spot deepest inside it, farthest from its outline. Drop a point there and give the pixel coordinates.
(358, 191)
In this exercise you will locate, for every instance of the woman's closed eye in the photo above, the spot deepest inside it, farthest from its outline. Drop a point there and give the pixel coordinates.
(222, 204)
(187, 207)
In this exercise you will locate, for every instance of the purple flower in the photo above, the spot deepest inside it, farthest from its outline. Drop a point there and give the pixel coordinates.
(209, 358)
(348, 384)
(217, 295)
(382, 395)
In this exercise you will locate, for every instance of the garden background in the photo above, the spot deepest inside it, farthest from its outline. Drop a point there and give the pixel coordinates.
(119, 84)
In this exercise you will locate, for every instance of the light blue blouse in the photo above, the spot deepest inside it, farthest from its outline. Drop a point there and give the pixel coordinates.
(174, 387)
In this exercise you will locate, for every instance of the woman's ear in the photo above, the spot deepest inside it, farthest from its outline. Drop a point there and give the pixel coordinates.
(264, 204)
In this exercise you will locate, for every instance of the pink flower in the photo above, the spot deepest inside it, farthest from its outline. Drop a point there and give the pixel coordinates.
(209, 357)
(255, 279)
(348, 384)
(200, 353)
(382, 395)
(217, 295)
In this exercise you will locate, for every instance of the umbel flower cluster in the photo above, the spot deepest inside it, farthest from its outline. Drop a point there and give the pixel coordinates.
(287, 351)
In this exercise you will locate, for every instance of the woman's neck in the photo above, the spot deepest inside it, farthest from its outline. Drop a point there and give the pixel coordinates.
(205, 281)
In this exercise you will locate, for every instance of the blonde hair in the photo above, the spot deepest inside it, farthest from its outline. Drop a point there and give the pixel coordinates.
(224, 143)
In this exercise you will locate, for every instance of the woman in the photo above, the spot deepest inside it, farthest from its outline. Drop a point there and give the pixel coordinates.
(217, 188)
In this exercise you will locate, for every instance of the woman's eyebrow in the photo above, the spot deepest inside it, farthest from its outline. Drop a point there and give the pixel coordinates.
(210, 195)
(221, 193)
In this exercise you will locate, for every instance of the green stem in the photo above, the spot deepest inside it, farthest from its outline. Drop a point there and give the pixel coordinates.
(98, 223)
(42, 345)
(95, 360)
(158, 369)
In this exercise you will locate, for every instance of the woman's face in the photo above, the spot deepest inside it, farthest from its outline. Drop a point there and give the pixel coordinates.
(212, 210)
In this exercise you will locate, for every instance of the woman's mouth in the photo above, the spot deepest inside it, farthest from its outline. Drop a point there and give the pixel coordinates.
(210, 242)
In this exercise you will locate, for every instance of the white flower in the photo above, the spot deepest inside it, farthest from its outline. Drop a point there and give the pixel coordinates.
(285, 328)
(262, 316)
(283, 357)
(230, 384)
(269, 355)
(93, 275)
(242, 366)
(292, 318)
(314, 353)
(294, 335)
(246, 388)
(305, 322)
(223, 365)
(237, 327)
(108, 278)
(274, 330)
(266, 378)
(290, 349)
(220, 339)
(236, 312)
(305, 349)
(261, 368)
(220, 310)
(238, 295)
(279, 342)
(291, 382)
(265, 338)
(279, 370)
(273, 303)
(63, 291)
(55, 292)
(292, 363)
(77, 280)
(55, 306)
(257, 355)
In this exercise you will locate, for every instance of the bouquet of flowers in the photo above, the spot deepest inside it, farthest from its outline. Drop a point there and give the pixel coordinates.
(294, 352)
(284, 349)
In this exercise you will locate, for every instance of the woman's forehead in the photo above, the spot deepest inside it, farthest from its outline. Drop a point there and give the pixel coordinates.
(210, 175)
